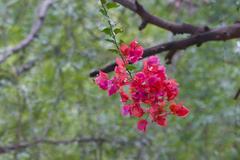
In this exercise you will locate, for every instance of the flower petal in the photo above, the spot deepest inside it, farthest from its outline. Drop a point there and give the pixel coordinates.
(142, 125)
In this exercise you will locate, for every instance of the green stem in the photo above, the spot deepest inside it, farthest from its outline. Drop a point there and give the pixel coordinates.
(114, 39)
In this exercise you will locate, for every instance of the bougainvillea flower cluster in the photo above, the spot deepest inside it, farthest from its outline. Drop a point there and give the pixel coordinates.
(148, 93)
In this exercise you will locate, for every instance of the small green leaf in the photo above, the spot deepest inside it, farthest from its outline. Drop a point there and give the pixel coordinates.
(121, 41)
(111, 5)
(103, 1)
(118, 30)
(110, 40)
(131, 67)
(103, 12)
(113, 50)
(107, 31)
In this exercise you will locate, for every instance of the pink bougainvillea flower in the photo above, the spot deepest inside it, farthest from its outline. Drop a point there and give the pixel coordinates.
(102, 80)
(183, 111)
(149, 87)
(152, 61)
(138, 81)
(161, 120)
(174, 107)
(139, 95)
(139, 78)
(142, 125)
(124, 96)
(113, 86)
(155, 84)
(179, 110)
(119, 62)
(161, 72)
(171, 88)
(125, 110)
(124, 49)
(133, 52)
(121, 72)
(157, 113)
(136, 110)
(151, 64)
(133, 44)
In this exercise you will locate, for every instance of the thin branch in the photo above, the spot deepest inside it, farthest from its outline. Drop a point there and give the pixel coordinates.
(169, 56)
(26, 67)
(37, 25)
(147, 17)
(237, 94)
(220, 34)
(24, 145)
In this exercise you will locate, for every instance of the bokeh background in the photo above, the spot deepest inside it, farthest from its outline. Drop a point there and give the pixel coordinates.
(57, 101)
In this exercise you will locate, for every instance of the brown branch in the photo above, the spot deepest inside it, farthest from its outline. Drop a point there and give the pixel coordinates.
(169, 56)
(37, 25)
(220, 34)
(237, 94)
(146, 17)
(24, 145)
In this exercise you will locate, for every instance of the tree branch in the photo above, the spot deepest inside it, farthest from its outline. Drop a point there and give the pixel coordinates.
(220, 34)
(237, 94)
(169, 56)
(37, 25)
(146, 17)
(24, 145)
(114, 141)
(25, 67)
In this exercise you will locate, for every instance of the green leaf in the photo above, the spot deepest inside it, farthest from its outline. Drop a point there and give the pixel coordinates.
(111, 5)
(110, 40)
(113, 50)
(103, 1)
(118, 30)
(131, 67)
(103, 12)
(121, 41)
(107, 31)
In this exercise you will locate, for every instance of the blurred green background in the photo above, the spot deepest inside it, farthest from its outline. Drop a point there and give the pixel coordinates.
(57, 100)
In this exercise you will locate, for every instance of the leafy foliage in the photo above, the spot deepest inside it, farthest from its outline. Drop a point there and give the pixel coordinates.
(56, 100)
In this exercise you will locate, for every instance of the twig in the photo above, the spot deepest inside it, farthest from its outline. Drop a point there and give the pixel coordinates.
(99, 140)
(237, 94)
(169, 56)
(24, 145)
(25, 67)
(37, 25)
(147, 17)
(220, 34)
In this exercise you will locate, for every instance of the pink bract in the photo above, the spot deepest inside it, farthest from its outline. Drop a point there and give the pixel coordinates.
(149, 89)
(133, 52)
(102, 80)
(125, 110)
(142, 125)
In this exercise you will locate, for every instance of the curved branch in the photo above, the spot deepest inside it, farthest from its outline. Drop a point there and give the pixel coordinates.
(220, 34)
(146, 17)
(42, 11)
